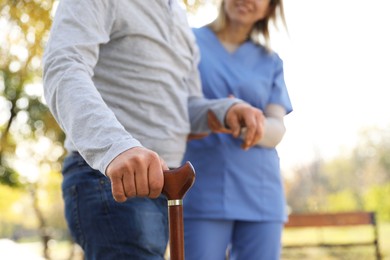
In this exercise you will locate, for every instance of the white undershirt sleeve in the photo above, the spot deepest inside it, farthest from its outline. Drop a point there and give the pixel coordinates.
(274, 127)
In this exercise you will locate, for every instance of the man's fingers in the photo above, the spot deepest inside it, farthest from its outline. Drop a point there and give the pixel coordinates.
(156, 179)
(163, 164)
(136, 172)
(141, 181)
(129, 184)
(117, 189)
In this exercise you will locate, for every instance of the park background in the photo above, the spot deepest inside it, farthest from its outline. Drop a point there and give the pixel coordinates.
(335, 156)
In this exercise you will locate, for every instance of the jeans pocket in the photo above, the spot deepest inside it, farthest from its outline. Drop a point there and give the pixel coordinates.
(72, 162)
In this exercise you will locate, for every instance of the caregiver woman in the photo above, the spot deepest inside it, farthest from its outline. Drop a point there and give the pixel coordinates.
(237, 201)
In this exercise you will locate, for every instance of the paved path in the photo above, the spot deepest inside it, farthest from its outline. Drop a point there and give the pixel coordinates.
(10, 250)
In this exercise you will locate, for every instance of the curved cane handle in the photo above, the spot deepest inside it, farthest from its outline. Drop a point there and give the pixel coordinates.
(176, 183)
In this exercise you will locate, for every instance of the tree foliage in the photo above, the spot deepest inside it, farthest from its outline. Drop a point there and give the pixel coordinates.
(26, 120)
(359, 180)
(193, 5)
(30, 139)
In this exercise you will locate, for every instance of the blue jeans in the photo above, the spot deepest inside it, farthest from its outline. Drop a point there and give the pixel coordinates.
(104, 228)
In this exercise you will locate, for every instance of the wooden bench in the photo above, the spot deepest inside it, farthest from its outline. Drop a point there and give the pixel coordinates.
(335, 220)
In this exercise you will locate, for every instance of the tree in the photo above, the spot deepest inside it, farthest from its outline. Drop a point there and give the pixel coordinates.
(372, 154)
(358, 180)
(30, 139)
(307, 190)
(24, 26)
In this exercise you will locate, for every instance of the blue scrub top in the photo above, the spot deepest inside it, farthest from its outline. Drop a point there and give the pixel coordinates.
(232, 183)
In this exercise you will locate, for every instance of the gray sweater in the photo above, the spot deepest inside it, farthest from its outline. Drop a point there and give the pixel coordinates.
(120, 74)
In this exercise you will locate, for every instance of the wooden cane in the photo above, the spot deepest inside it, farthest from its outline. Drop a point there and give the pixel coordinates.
(176, 183)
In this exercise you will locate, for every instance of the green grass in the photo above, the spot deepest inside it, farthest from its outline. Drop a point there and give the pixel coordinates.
(332, 235)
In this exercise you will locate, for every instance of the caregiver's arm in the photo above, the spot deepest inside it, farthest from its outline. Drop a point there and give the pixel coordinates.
(274, 127)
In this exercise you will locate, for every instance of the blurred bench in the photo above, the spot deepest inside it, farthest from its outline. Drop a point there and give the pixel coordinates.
(335, 220)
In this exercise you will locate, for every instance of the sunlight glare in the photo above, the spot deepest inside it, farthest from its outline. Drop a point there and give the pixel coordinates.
(206, 14)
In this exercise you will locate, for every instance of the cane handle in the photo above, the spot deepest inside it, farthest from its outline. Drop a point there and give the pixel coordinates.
(178, 181)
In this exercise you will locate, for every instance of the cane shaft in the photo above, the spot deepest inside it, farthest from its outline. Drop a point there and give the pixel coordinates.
(176, 231)
(176, 183)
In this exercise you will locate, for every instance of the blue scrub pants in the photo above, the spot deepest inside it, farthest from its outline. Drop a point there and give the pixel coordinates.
(106, 229)
(210, 239)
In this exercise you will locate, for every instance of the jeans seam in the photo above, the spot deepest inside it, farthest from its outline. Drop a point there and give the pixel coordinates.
(76, 216)
(105, 202)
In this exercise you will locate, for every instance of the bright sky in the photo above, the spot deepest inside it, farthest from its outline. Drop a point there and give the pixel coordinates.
(337, 70)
